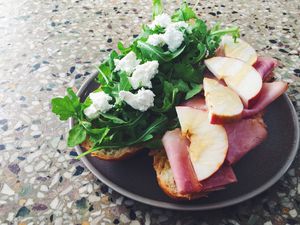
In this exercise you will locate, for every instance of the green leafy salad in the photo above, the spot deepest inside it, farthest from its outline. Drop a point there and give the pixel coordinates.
(140, 85)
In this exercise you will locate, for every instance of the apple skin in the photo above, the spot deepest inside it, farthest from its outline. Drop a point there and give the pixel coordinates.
(218, 119)
(223, 104)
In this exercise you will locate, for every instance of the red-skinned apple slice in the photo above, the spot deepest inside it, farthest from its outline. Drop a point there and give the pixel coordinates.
(224, 105)
(238, 50)
(239, 76)
(209, 143)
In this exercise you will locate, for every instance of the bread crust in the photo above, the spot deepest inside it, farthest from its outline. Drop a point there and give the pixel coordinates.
(119, 154)
(165, 177)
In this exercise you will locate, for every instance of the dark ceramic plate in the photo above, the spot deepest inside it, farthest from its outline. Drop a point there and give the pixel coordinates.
(257, 171)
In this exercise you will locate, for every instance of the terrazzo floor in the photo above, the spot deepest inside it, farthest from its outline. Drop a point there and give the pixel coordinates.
(46, 46)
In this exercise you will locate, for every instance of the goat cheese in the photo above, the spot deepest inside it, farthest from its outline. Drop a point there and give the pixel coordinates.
(91, 112)
(179, 24)
(142, 100)
(155, 39)
(162, 20)
(143, 74)
(173, 38)
(127, 63)
(100, 103)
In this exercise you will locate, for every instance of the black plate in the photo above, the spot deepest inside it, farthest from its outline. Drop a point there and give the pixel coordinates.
(257, 171)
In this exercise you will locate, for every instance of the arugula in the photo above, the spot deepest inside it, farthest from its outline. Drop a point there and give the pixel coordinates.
(157, 8)
(179, 78)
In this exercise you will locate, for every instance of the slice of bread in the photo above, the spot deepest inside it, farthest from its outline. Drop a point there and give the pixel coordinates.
(112, 154)
(165, 177)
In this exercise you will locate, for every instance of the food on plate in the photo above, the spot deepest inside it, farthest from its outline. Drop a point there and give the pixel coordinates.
(238, 49)
(209, 143)
(224, 105)
(195, 96)
(238, 75)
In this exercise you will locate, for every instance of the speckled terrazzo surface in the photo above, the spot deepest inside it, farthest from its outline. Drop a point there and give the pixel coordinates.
(46, 46)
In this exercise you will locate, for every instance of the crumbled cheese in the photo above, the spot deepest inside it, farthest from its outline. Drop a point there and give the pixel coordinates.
(127, 63)
(100, 103)
(91, 112)
(179, 24)
(162, 20)
(141, 101)
(155, 39)
(143, 74)
(173, 38)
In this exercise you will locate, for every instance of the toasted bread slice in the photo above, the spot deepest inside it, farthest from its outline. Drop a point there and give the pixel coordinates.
(165, 177)
(112, 154)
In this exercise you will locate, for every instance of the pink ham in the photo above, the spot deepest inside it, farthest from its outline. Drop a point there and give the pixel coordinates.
(243, 136)
(197, 102)
(222, 177)
(176, 147)
(265, 66)
(269, 92)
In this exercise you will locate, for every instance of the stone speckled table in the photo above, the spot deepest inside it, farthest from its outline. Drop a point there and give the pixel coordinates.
(46, 46)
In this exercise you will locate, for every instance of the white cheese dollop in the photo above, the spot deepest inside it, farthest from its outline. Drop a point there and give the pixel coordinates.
(155, 39)
(127, 63)
(100, 103)
(142, 100)
(173, 38)
(162, 20)
(143, 74)
(179, 24)
(91, 112)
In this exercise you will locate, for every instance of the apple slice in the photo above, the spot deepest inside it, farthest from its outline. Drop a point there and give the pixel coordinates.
(209, 143)
(238, 50)
(224, 105)
(239, 76)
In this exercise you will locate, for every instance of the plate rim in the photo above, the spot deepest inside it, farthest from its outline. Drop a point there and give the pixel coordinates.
(184, 207)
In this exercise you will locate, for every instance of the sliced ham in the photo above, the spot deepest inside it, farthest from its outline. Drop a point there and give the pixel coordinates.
(197, 102)
(222, 177)
(265, 66)
(176, 147)
(243, 136)
(269, 92)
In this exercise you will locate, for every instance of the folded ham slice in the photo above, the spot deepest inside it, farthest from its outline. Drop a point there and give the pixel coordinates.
(176, 147)
(269, 92)
(243, 136)
(222, 177)
(265, 66)
(197, 102)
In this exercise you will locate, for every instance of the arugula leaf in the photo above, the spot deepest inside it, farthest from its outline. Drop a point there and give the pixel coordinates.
(124, 84)
(66, 107)
(101, 136)
(185, 13)
(169, 97)
(76, 135)
(104, 73)
(188, 73)
(113, 55)
(156, 53)
(157, 8)
(113, 118)
(123, 49)
(196, 89)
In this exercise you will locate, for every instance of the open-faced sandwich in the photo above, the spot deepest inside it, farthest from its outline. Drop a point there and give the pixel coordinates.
(193, 95)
